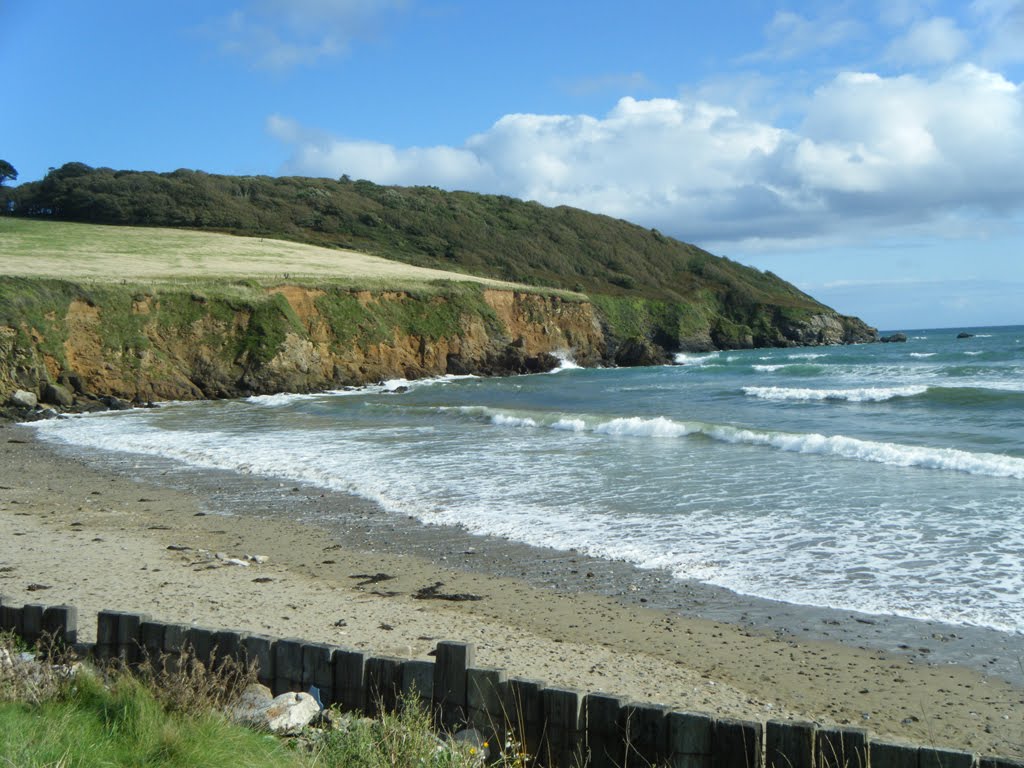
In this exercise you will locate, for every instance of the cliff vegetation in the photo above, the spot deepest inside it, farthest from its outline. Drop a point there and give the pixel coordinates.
(344, 282)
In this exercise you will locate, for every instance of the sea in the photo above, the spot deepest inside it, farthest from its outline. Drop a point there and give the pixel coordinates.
(883, 478)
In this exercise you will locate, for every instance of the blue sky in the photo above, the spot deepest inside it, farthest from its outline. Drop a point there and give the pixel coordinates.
(871, 153)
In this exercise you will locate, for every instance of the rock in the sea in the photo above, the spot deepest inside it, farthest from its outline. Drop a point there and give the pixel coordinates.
(286, 713)
(636, 351)
(965, 335)
(58, 395)
(896, 337)
(115, 403)
(22, 399)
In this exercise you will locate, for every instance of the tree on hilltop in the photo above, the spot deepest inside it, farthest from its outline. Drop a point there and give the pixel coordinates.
(7, 172)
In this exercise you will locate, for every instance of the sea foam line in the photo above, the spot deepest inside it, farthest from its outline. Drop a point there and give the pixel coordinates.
(892, 454)
(855, 395)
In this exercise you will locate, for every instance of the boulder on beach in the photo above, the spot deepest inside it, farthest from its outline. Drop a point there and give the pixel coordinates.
(22, 399)
(286, 713)
(55, 394)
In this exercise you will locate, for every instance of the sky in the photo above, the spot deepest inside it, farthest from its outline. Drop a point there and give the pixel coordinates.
(872, 153)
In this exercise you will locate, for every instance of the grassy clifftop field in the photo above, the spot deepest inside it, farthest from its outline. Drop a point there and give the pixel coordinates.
(219, 286)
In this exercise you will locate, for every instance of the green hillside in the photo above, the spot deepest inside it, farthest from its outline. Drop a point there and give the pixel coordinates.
(647, 286)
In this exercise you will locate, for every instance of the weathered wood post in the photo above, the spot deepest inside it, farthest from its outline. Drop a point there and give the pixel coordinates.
(736, 744)
(450, 667)
(842, 748)
(562, 743)
(645, 727)
(287, 665)
(789, 744)
(525, 711)
(604, 741)
(485, 694)
(383, 684)
(689, 739)
(349, 678)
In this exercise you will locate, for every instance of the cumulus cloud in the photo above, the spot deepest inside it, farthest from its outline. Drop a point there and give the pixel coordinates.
(279, 35)
(887, 152)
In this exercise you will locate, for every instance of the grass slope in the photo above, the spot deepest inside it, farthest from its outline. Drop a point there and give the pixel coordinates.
(89, 252)
(485, 235)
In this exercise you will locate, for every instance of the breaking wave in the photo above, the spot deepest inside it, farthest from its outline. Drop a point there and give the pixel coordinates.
(855, 395)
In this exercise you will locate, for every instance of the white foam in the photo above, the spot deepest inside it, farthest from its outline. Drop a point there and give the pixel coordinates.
(566, 362)
(855, 395)
(689, 358)
(570, 425)
(638, 427)
(922, 354)
(767, 368)
(893, 454)
(973, 354)
(806, 355)
(275, 401)
(503, 420)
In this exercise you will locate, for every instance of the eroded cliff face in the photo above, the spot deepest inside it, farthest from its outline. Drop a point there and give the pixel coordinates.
(228, 341)
(174, 345)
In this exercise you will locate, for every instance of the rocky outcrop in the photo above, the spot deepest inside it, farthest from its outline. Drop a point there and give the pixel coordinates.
(827, 328)
(636, 351)
(895, 338)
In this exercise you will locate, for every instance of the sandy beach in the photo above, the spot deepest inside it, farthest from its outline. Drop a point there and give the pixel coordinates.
(77, 533)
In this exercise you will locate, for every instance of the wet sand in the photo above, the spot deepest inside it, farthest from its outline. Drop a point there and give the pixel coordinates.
(88, 534)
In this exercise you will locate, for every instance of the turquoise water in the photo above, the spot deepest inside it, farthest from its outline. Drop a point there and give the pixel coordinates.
(885, 478)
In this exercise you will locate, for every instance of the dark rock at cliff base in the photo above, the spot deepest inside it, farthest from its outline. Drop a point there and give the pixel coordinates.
(115, 403)
(456, 366)
(965, 335)
(55, 394)
(512, 360)
(633, 352)
(896, 337)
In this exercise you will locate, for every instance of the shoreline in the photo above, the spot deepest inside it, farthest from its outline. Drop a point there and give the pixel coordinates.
(98, 539)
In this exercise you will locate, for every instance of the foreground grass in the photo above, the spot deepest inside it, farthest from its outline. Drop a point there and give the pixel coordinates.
(122, 725)
(113, 718)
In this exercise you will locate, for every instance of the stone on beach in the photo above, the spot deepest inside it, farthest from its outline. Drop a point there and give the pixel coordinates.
(286, 713)
(22, 399)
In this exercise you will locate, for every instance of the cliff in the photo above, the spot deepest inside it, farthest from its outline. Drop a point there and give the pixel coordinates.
(175, 343)
(145, 314)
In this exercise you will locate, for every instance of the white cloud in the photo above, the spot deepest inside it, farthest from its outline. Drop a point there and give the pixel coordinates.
(873, 153)
(1003, 22)
(900, 13)
(790, 35)
(934, 41)
(280, 35)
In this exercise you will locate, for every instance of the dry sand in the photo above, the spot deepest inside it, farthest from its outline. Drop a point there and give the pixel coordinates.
(99, 540)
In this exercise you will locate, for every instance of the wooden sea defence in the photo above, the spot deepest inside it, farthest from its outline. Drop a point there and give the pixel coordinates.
(560, 727)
